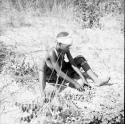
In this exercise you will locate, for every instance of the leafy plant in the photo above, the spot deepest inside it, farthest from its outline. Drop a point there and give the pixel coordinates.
(89, 12)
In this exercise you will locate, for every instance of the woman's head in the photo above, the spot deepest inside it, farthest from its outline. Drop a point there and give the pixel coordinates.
(64, 40)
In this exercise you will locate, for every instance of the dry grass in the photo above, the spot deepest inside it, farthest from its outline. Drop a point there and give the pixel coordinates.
(19, 13)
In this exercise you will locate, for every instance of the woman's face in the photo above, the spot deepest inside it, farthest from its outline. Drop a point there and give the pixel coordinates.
(65, 47)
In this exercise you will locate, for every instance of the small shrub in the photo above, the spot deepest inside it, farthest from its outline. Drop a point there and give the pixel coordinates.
(4, 54)
(88, 12)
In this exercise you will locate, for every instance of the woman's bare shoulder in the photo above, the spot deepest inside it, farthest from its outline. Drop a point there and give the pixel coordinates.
(50, 52)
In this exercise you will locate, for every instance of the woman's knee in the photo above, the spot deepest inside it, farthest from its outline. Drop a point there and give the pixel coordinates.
(79, 59)
(82, 62)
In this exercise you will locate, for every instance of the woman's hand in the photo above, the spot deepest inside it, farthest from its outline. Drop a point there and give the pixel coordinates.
(78, 86)
(83, 83)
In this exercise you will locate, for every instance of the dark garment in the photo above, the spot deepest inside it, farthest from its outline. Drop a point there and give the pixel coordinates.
(80, 61)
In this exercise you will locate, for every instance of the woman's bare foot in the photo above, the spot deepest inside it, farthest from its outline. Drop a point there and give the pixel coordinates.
(103, 82)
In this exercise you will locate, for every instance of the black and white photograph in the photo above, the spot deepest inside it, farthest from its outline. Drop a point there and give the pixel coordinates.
(61, 61)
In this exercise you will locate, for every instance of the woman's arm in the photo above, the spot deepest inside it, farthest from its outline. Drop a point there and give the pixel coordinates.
(71, 60)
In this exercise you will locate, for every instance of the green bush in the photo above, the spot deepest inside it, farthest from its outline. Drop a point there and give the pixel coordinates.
(88, 12)
(4, 53)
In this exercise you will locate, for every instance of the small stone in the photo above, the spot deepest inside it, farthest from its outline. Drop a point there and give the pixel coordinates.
(28, 119)
(31, 116)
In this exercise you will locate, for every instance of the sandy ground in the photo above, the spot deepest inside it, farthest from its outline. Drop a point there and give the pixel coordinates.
(103, 48)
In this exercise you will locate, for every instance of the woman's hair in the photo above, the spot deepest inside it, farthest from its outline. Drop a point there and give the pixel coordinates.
(62, 34)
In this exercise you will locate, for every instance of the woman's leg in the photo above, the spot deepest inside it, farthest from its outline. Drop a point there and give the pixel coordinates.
(96, 79)
(81, 62)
